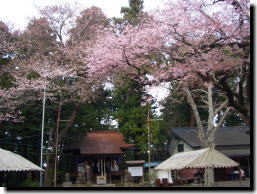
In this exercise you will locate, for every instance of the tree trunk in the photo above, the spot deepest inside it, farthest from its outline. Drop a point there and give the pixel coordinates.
(192, 119)
(209, 177)
(207, 138)
(69, 124)
(52, 162)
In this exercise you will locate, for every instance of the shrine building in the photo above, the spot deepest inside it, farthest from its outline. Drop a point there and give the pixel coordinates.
(98, 156)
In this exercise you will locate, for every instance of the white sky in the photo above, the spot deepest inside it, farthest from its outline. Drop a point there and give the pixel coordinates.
(17, 12)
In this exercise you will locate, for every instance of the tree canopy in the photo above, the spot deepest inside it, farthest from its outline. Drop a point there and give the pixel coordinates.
(200, 48)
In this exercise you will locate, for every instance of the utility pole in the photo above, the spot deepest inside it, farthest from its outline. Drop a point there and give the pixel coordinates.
(149, 138)
(42, 134)
(56, 143)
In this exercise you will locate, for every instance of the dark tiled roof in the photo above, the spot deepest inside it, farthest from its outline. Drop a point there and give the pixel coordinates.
(235, 152)
(225, 136)
(100, 142)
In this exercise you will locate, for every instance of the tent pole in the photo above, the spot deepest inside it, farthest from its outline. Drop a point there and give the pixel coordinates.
(239, 174)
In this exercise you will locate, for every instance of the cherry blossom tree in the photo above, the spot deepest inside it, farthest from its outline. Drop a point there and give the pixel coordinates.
(189, 40)
(212, 43)
(47, 54)
(8, 40)
(126, 54)
(75, 87)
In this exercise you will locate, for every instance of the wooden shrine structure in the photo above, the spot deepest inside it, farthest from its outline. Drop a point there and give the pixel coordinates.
(97, 157)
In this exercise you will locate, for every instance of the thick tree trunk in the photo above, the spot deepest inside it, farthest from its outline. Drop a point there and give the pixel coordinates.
(211, 128)
(69, 124)
(207, 137)
(209, 177)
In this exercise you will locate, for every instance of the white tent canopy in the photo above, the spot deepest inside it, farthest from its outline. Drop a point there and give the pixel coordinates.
(204, 158)
(10, 161)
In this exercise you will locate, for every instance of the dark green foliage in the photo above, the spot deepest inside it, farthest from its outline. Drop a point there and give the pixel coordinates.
(132, 14)
(29, 182)
(28, 132)
(233, 119)
(24, 138)
(4, 60)
(132, 122)
(6, 81)
(177, 114)
(130, 114)
(33, 75)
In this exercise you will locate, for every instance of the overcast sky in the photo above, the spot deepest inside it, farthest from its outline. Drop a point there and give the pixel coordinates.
(18, 12)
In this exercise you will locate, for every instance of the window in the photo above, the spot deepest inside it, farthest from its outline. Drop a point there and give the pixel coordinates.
(180, 147)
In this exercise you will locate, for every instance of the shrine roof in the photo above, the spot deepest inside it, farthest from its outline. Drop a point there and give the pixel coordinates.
(100, 142)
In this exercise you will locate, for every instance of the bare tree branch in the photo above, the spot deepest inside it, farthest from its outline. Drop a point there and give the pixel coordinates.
(190, 100)
(222, 118)
(224, 104)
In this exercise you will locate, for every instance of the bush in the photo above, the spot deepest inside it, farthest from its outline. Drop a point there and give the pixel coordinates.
(28, 182)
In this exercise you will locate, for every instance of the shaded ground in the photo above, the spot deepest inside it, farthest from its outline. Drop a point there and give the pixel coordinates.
(245, 183)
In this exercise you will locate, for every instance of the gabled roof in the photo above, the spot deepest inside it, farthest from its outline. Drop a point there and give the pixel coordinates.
(100, 142)
(225, 136)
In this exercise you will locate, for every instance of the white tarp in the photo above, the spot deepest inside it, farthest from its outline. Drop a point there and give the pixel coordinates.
(136, 170)
(204, 158)
(10, 161)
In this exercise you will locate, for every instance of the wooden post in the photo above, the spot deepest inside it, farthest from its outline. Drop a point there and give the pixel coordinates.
(104, 168)
(101, 164)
